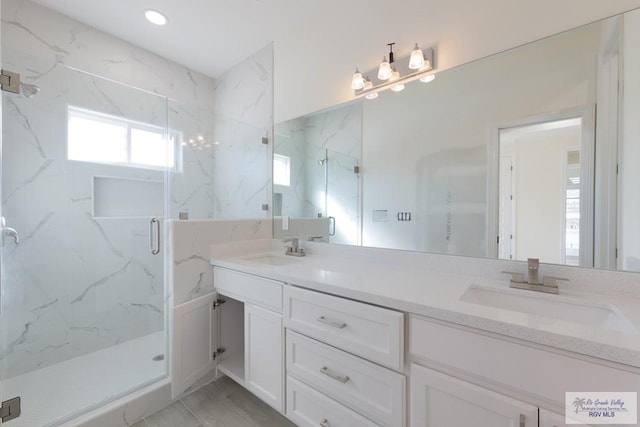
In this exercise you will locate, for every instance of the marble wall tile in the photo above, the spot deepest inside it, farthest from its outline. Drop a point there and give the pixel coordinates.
(189, 243)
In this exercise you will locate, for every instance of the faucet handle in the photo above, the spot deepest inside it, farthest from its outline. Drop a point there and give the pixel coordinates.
(551, 281)
(515, 277)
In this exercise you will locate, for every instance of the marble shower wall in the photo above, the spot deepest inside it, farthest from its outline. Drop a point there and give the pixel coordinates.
(77, 283)
(243, 106)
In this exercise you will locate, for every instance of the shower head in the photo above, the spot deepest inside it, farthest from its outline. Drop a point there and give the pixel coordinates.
(29, 90)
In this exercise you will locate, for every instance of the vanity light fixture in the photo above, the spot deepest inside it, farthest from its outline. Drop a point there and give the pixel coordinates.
(394, 75)
(155, 17)
(417, 61)
(357, 81)
(385, 69)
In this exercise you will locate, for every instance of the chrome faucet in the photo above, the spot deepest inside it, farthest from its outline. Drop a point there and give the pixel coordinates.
(533, 264)
(294, 249)
(548, 285)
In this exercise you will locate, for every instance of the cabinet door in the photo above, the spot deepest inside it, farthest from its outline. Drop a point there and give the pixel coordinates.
(264, 362)
(439, 400)
(551, 419)
(193, 341)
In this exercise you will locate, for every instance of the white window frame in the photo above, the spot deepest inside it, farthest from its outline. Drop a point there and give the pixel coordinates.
(73, 111)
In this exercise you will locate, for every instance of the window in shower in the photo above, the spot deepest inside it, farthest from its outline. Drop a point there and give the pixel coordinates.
(281, 170)
(102, 138)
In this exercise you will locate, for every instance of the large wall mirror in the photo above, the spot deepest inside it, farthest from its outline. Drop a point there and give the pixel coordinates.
(533, 152)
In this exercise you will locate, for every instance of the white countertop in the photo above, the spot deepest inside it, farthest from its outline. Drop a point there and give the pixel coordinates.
(418, 290)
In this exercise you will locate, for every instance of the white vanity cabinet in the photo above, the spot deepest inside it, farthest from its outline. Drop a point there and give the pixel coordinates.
(339, 352)
(238, 329)
(441, 400)
(484, 372)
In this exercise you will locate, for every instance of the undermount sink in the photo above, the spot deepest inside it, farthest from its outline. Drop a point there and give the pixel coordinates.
(589, 314)
(273, 259)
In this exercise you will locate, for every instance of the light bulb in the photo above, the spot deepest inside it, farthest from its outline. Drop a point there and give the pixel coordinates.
(373, 95)
(367, 84)
(416, 61)
(397, 88)
(395, 75)
(428, 78)
(155, 17)
(384, 71)
(357, 81)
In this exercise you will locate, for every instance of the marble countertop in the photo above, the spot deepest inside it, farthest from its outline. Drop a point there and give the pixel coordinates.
(418, 290)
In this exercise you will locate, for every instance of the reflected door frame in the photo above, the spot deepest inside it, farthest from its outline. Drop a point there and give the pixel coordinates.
(587, 176)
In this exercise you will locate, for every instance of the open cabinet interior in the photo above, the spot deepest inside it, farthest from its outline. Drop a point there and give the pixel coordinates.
(230, 332)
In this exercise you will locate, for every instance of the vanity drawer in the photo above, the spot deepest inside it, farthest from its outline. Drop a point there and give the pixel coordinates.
(310, 408)
(248, 288)
(372, 332)
(361, 385)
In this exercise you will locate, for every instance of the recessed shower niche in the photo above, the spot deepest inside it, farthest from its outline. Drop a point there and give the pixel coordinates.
(127, 197)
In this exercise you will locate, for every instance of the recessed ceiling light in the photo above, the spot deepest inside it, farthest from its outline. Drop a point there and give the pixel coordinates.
(155, 17)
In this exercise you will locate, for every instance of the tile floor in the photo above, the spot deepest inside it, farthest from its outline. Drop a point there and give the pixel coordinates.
(222, 403)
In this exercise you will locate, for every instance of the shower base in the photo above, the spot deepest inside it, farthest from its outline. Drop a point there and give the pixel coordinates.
(58, 392)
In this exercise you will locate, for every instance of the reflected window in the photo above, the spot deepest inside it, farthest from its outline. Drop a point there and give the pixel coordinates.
(100, 138)
(281, 170)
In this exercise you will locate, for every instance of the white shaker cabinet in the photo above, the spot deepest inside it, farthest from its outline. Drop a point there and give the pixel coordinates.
(237, 329)
(263, 355)
(439, 400)
(193, 342)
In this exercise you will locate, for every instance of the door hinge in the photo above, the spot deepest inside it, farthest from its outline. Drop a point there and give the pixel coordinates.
(356, 169)
(217, 303)
(264, 140)
(218, 352)
(10, 81)
(10, 409)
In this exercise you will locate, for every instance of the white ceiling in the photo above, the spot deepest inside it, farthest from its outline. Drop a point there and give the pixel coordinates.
(209, 36)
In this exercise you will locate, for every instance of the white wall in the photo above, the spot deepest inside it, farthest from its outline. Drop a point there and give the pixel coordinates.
(314, 63)
(425, 149)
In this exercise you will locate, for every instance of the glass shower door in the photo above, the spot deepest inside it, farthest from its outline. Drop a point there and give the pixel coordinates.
(82, 294)
(343, 198)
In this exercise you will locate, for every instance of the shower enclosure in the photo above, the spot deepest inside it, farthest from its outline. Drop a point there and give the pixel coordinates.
(85, 166)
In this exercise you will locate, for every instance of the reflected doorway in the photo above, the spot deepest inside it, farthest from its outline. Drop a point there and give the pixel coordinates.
(543, 203)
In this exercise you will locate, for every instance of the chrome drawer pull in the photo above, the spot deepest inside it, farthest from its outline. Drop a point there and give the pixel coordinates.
(324, 423)
(339, 325)
(327, 372)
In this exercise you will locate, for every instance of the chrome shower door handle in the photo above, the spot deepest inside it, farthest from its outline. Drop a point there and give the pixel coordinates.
(154, 243)
(8, 231)
(332, 226)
